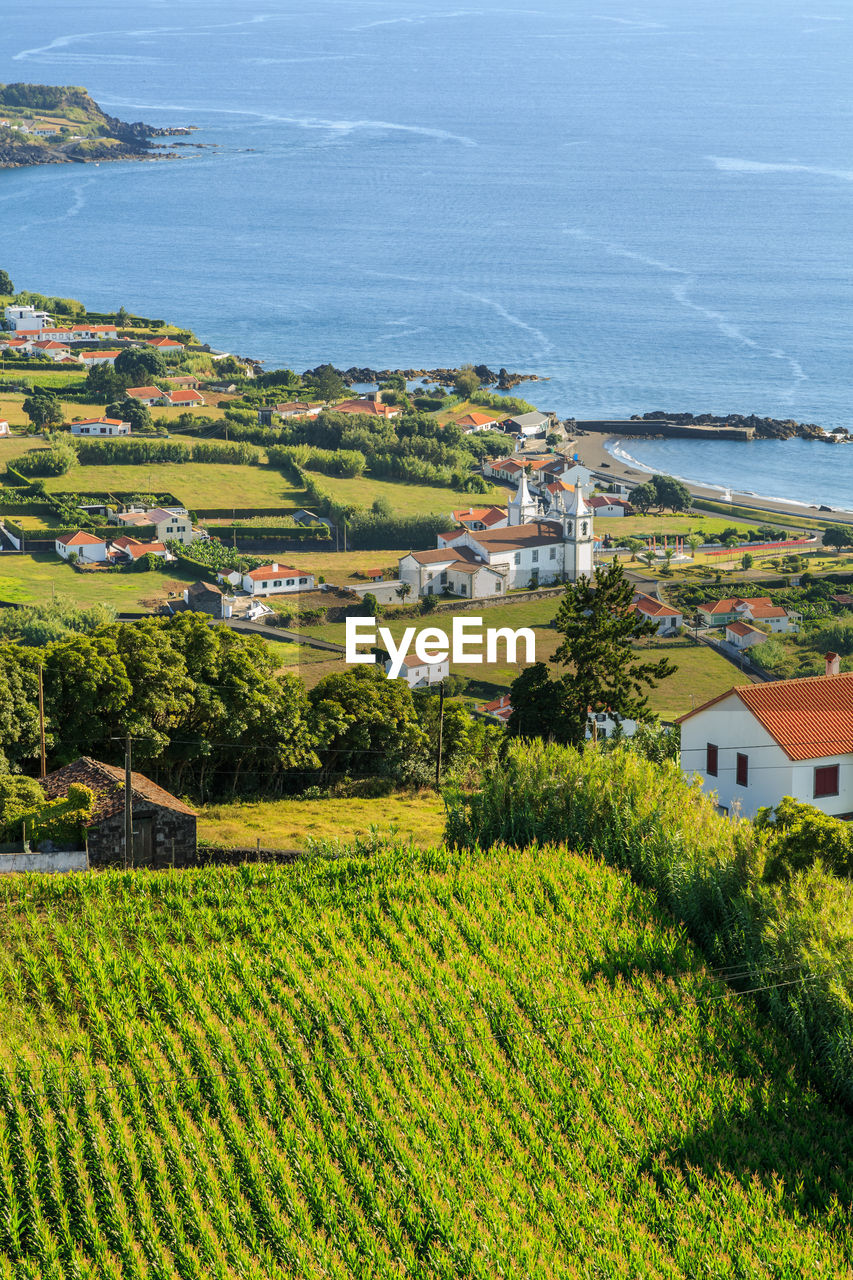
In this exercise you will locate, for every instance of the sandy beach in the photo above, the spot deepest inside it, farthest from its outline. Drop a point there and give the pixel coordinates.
(592, 451)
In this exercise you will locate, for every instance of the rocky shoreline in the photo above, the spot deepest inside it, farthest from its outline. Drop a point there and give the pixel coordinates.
(503, 380)
(763, 428)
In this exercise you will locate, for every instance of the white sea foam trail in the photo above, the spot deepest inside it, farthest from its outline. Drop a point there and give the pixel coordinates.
(546, 345)
(680, 291)
(731, 164)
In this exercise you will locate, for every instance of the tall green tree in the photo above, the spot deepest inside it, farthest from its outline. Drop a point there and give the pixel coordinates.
(328, 383)
(466, 381)
(605, 672)
(6, 286)
(103, 384)
(43, 409)
(139, 366)
(366, 724)
(130, 410)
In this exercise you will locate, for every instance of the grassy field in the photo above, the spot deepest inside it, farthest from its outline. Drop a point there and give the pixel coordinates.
(407, 499)
(288, 824)
(402, 1066)
(655, 525)
(196, 484)
(37, 579)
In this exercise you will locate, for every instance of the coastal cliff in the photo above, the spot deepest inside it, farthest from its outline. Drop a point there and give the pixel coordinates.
(62, 124)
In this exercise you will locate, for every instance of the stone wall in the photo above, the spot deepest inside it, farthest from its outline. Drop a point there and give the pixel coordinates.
(173, 837)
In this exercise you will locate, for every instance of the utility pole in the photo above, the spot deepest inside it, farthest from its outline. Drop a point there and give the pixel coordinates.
(345, 537)
(43, 773)
(128, 808)
(440, 735)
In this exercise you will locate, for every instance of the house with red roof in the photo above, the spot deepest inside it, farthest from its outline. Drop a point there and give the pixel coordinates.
(756, 743)
(184, 397)
(663, 615)
(476, 421)
(47, 349)
(125, 548)
(84, 546)
(373, 408)
(147, 395)
(607, 504)
(168, 346)
(742, 635)
(481, 517)
(4, 428)
(92, 358)
(276, 579)
(719, 613)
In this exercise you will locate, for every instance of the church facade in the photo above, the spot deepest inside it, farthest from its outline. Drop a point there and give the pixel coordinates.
(544, 541)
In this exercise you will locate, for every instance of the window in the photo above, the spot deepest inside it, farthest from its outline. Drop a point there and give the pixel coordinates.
(553, 553)
(302, 581)
(711, 759)
(742, 770)
(826, 780)
(517, 558)
(290, 582)
(277, 582)
(535, 557)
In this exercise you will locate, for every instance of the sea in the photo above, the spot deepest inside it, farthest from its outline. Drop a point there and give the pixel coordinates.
(649, 205)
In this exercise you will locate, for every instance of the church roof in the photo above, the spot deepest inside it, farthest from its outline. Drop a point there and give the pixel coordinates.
(538, 533)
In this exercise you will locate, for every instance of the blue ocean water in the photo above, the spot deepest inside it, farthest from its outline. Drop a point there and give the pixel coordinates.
(648, 204)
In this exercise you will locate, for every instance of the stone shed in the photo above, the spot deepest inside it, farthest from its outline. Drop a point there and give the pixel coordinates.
(164, 828)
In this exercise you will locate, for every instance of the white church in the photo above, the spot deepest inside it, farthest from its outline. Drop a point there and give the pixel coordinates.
(545, 540)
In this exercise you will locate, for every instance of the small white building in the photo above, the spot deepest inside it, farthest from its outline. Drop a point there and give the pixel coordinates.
(740, 635)
(4, 428)
(419, 674)
(276, 579)
(100, 427)
(719, 613)
(760, 742)
(85, 546)
(148, 396)
(528, 424)
(608, 505)
(171, 524)
(92, 358)
(603, 724)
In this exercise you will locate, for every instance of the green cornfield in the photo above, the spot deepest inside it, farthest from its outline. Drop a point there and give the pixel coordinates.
(428, 1064)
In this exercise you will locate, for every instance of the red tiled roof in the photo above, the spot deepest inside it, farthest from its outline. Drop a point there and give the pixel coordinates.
(809, 718)
(145, 393)
(80, 539)
(760, 611)
(744, 629)
(367, 406)
(267, 571)
(655, 608)
(97, 422)
(186, 397)
(99, 355)
(728, 606)
(163, 342)
(475, 420)
(107, 782)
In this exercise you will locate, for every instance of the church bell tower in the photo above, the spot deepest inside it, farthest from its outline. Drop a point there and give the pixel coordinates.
(578, 540)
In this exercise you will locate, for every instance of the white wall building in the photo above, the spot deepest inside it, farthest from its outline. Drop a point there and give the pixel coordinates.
(741, 635)
(276, 579)
(27, 318)
(662, 615)
(760, 742)
(100, 427)
(418, 674)
(530, 549)
(84, 545)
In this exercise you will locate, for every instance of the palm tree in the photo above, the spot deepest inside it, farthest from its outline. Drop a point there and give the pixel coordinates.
(694, 542)
(649, 557)
(404, 589)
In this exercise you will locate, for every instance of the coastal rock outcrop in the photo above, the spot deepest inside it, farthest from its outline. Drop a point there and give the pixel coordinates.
(764, 428)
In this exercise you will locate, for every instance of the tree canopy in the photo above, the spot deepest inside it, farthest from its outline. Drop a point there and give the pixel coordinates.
(138, 366)
(605, 673)
(6, 286)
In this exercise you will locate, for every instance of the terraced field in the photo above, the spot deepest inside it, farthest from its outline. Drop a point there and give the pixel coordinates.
(412, 1065)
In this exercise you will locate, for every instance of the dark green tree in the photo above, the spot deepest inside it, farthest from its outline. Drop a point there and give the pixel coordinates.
(43, 409)
(6, 286)
(466, 381)
(599, 627)
(139, 366)
(670, 494)
(366, 724)
(838, 537)
(644, 497)
(328, 383)
(103, 384)
(536, 705)
(130, 410)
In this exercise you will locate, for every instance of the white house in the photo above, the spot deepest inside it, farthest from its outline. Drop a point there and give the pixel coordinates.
(92, 333)
(185, 396)
(603, 724)
(171, 524)
(419, 674)
(482, 517)
(275, 579)
(169, 346)
(743, 636)
(475, 421)
(608, 505)
(760, 742)
(27, 318)
(528, 424)
(84, 545)
(131, 549)
(663, 615)
(533, 547)
(47, 349)
(100, 427)
(92, 358)
(4, 428)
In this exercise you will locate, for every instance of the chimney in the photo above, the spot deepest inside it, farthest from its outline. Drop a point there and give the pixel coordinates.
(833, 664)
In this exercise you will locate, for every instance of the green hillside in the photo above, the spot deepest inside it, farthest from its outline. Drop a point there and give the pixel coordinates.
(420, 1065)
